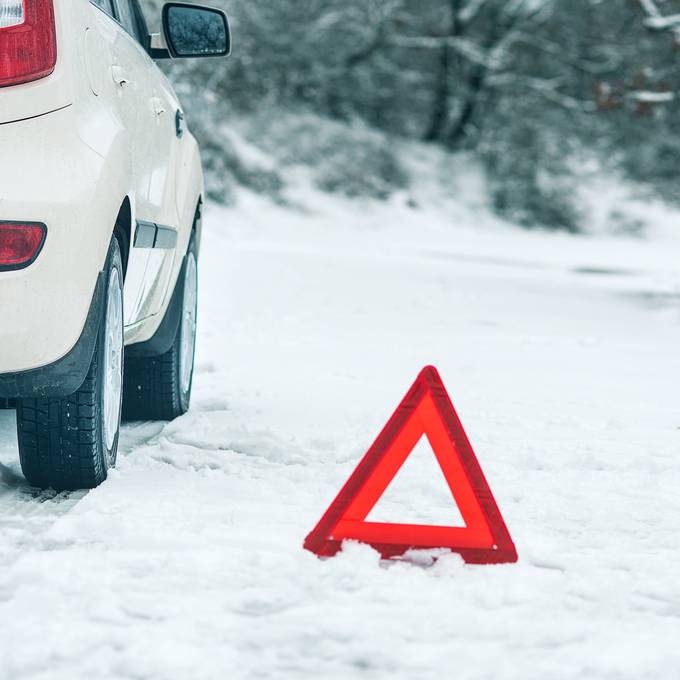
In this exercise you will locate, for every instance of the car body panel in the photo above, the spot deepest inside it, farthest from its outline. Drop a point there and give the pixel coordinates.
(80, 147)
(67, 186)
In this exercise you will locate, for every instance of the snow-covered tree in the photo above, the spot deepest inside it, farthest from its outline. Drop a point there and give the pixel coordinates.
(525, 84)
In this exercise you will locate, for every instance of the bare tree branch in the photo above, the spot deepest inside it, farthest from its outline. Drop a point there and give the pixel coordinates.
(547, 88)
(656, 21)
(647, 97)
(558, 52)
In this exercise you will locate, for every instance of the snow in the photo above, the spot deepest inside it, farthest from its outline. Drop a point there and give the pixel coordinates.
(561, 356)
(650, 97)
(419, 493)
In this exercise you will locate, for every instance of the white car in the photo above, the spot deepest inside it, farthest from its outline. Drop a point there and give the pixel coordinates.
(101, 190)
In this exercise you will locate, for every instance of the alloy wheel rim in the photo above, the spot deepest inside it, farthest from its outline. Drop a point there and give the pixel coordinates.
(113, 359)
(188, 330)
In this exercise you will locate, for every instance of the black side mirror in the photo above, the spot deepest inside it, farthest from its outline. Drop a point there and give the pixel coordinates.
(195, 31)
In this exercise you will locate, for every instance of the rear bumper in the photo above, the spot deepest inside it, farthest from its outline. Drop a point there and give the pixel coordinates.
(65, 376)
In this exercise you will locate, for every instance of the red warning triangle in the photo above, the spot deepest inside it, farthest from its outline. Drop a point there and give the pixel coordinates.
(427, 410)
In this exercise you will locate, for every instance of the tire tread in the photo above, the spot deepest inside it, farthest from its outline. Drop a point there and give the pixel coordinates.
(57, 437)
(151, 385)
(151, 389)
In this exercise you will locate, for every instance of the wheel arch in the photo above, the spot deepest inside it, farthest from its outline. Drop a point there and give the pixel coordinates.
(197, 226)
(123, 231)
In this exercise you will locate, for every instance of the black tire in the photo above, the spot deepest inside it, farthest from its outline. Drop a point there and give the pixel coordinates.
(153, 387)
(63, 442)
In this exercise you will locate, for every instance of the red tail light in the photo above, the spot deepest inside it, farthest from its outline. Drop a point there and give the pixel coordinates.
(28, 40)
(20, 243)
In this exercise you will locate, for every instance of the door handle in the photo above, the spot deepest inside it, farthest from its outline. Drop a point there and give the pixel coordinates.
(119, 75)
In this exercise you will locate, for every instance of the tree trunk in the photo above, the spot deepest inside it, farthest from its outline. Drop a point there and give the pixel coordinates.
(476, 81)
(458, 130)
(440, 105)
(442, 93)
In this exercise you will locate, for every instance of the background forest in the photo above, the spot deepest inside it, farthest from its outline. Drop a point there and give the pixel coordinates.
(538, 93)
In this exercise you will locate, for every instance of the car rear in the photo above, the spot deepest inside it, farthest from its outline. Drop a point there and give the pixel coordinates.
(52, 207)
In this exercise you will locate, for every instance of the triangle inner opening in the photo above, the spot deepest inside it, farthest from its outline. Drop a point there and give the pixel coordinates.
(418, 494)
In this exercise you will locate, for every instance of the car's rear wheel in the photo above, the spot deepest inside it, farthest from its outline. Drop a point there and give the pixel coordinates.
(159, 388)
(70, 443)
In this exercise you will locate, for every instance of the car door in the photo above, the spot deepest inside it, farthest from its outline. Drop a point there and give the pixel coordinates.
(162, 196)
(131, 71)
(130, 68)
(161, 207)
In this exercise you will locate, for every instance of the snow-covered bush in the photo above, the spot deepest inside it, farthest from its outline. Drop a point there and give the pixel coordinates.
(228, 167)
(349, 159)
(531, 179)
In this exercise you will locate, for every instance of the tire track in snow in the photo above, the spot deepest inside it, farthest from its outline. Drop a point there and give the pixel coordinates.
(27, 513)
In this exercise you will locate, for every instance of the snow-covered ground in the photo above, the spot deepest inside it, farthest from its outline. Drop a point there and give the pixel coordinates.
(562, 356)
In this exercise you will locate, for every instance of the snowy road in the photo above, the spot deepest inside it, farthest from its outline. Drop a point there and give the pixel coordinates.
(562, 357)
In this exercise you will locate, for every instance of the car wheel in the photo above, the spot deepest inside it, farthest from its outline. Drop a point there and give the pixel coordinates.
(70, 443)
(159, 388)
